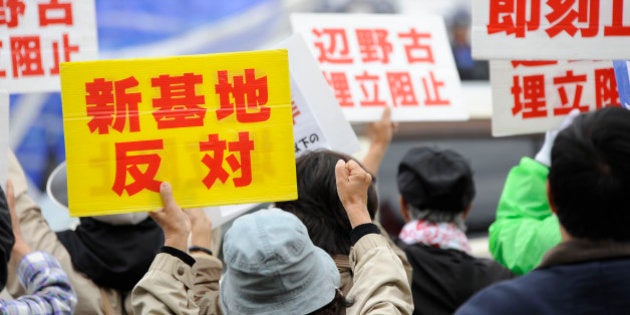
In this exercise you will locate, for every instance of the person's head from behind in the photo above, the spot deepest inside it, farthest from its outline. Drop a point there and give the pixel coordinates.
(590, 175)
(272, 267)
(318, 205)
(435, 185)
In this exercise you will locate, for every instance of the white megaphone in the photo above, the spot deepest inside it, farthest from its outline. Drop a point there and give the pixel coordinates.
(57, 190)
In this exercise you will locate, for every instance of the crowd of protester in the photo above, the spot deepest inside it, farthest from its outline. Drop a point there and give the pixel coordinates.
(560, 241)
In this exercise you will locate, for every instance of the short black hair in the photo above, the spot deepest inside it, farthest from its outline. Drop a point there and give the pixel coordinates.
(590, 175)
(318, 205)
(435, 179)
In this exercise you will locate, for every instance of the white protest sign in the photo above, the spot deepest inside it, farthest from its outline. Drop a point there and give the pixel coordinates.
(317, 119)
(36, 35)
(4, 137)
(373, 61)
(535, 96)
(538, 29)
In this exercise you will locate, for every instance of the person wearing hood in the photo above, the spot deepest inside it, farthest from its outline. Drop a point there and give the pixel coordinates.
(104, 256)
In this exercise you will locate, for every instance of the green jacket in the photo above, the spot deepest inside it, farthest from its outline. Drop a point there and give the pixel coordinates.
(525, 228)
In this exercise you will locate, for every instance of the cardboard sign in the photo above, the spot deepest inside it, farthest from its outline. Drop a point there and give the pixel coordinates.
(317, 119)
(36, 35)
(535, 96)
(4, 137)
(622, 73)
(217, 127)
(538, 29)
(373, 61)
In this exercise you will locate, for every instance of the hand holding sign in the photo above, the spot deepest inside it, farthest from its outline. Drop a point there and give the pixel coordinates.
(352, 185)
(173, 221)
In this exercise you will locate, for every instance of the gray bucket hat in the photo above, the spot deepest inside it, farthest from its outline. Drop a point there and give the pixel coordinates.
(272, 267)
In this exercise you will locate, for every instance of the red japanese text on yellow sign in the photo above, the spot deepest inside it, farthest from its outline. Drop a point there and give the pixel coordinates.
(217, 127)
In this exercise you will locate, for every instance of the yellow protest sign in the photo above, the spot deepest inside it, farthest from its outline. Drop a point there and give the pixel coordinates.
(217, 127)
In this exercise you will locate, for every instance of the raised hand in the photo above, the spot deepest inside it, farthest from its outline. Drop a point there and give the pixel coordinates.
(352, 185)
(380, 134)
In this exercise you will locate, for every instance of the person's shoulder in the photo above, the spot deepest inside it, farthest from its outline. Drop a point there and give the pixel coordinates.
(507, 297)
(513, 296)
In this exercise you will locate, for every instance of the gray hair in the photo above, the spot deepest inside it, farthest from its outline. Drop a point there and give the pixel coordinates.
(437, 216)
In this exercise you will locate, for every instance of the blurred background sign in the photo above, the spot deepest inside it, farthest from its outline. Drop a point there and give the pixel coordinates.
(38, 35)
(533, 29)
(535, 96)
(377, 60)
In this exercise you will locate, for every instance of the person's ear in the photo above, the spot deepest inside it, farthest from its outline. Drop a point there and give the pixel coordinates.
(403, 209)
(552, 205)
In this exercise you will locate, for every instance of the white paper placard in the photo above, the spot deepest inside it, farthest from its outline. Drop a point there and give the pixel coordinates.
(373, 61)
(556, 30)
(39, 34)
(535, 96)
(317, 119)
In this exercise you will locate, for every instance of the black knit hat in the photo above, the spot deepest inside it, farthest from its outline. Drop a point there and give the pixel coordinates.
(6, 238)
(434, 179)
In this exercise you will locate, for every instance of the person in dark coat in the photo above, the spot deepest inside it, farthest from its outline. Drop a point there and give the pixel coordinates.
(589, 271)
(436, 191)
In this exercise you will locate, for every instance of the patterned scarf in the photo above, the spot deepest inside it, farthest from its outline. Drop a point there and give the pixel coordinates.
(441, 235)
